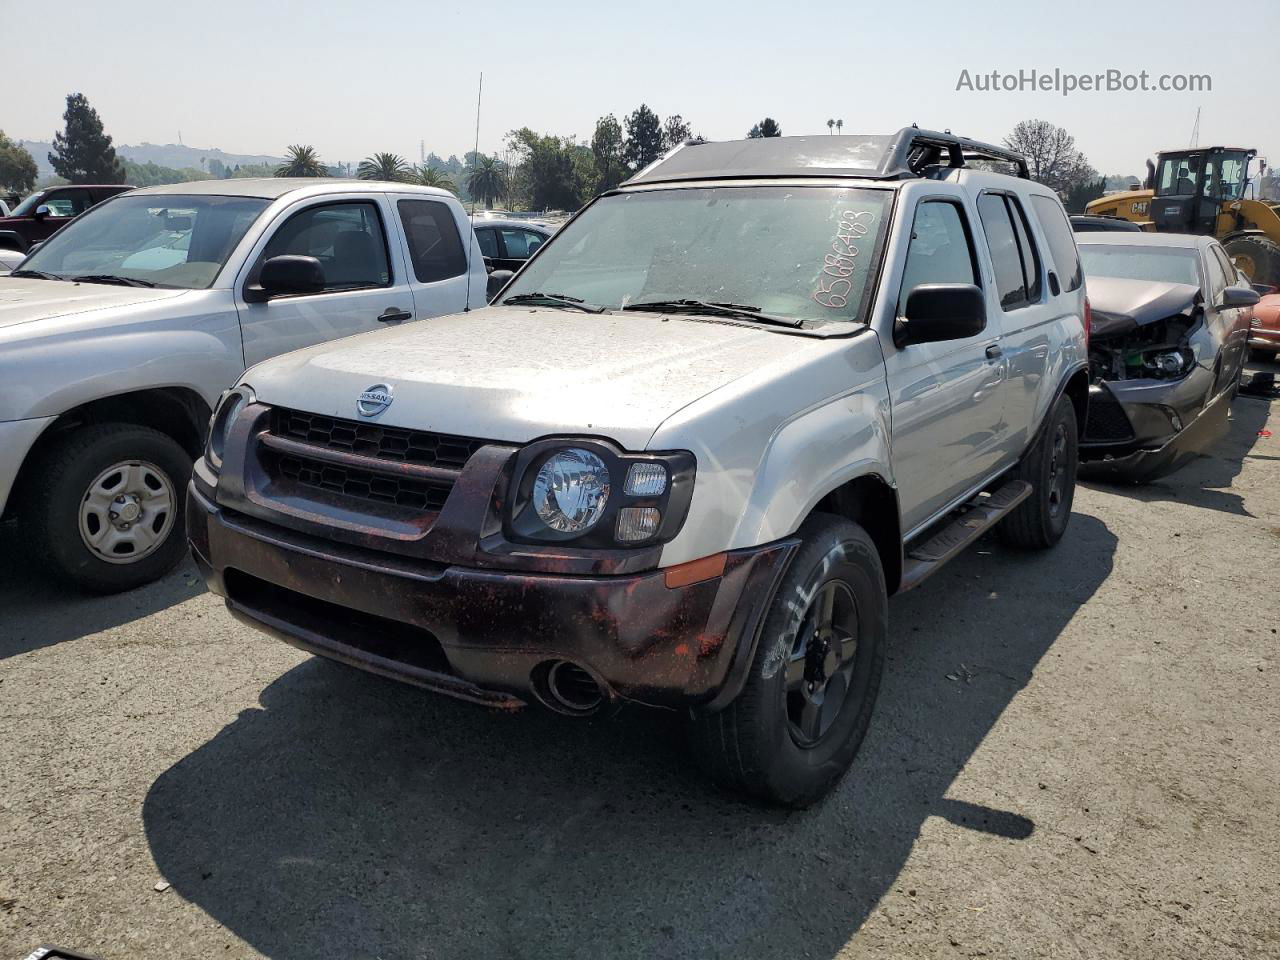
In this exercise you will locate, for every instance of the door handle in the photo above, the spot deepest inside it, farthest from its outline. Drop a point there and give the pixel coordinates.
(994, 352)
(392, 314)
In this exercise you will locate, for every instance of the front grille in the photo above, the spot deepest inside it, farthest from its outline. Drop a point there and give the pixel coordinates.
(420, 447)
(1107, 422)
(363, 484)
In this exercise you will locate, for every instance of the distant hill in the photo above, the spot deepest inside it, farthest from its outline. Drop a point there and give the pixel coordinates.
(173, 155)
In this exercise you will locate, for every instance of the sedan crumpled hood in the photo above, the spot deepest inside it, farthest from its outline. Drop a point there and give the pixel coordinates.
(516, 374)
(1121, 305)
(24, 300)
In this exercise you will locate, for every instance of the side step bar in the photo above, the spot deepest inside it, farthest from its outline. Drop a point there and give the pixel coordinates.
(977, 517)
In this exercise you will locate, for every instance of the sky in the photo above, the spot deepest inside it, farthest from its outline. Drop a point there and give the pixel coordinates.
(253, 76)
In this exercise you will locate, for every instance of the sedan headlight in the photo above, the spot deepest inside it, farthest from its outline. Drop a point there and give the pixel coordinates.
(229, 406)
(591, 493)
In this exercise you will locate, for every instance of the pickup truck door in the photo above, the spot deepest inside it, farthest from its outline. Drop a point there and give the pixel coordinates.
(356, 239)
(946, 398)
(430, 236)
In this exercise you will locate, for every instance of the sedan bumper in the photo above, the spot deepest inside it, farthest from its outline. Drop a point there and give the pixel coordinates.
(488, 635)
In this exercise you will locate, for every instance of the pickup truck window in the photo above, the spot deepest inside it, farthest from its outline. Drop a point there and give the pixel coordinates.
(1062, 245)
(488, 240)
(347, 239)
(803, 252)
(940, 251)
(1014, 257)
(434, 244)
(170, 241)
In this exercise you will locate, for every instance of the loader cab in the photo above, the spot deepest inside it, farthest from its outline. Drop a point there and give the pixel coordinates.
(1192, 185)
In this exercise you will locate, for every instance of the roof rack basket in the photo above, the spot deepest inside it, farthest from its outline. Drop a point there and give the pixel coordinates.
(912, 150)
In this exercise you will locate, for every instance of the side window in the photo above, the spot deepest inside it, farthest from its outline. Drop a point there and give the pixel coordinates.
(69, 203)
(1228, 267)
(488, 241)
(940, 250)
(1027, 249)
(347, 239)
(521, 244)
(1217, 278)
(1062, 245)
(434, 244)
(1007, 253)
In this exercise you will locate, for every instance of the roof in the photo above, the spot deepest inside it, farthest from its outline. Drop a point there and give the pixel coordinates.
(272, 188)
(1179, 241)
(907, 154)
(507, 223)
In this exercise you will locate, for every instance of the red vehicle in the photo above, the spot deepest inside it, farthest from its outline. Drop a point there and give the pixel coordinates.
(1264, 328)
(43, 213)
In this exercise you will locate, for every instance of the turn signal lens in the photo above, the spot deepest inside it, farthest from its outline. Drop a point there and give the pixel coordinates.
(638, 523)
(646, 480)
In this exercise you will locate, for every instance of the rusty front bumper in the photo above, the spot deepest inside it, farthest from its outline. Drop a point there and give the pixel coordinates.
(481, 635)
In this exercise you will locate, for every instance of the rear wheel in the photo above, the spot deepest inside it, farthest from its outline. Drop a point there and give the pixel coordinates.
(106, 505)
(1256, 256)
(1050, 467)
(795, 728)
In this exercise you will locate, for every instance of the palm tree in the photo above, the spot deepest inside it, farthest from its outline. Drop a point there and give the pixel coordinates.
(830, 124)
(384, 166)
(839, 125)
(301, 161)
(485, 182)
(431, 177)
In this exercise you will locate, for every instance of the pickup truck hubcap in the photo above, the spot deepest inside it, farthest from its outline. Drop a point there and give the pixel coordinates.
(821, 670)
(1057, 470)
(127, 511)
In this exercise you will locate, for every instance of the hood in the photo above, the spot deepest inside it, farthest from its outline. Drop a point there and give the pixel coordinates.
(22, 301)
(1121, 305)
(516, 374)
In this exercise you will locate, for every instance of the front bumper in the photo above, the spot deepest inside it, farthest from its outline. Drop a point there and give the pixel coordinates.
(485, 635)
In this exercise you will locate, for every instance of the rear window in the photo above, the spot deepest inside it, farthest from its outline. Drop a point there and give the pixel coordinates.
(1062, 246)
(1168, 264)
(434, 244)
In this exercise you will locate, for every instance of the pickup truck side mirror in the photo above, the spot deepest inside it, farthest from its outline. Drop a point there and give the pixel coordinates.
(284, 275)
(497, 280)
(1238, 297)
(941, 311)
(42, 211)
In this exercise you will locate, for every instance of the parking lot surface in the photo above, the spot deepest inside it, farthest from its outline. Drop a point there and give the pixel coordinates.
(1074, 755)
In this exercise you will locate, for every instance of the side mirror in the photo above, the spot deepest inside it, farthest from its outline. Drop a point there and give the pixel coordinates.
(941, 311)
(285, 275)
(1238, 297)
(42, 211)
(497, 280)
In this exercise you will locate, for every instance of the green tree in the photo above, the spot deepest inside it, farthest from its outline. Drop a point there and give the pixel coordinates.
(1079, 195)
(150, 174)
(430, 177)
(606, 152)
(551, 169)
(301, 160)
(485, 181)
(17, 166)
(768, 127)
(82, 151)
(384, 166)
(675, 132)
(1051, 155)
(644, 138)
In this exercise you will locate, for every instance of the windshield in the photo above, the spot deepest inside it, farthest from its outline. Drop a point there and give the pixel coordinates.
(28, 206)
(796, 251)
(170, 241)
(1140, 263)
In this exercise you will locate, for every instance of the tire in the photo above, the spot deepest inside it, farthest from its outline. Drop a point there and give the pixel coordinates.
(755, 744)
(69, 485)
(1259, 257)
(1050, 467)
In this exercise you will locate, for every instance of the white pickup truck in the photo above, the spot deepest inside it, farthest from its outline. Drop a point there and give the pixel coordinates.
(119, 333)
(685, 456)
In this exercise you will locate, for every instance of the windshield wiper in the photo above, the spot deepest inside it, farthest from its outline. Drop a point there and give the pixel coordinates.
(111, 278)
(555, 300)
(742, 311)
(35, 275)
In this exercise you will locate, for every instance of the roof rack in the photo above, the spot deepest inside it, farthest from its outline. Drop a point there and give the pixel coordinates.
(912, 150)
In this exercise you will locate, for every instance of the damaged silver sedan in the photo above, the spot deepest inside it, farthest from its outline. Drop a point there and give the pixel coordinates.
(1168, 338)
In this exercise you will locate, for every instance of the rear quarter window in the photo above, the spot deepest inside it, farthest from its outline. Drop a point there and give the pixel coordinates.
(434, 243)
(1062, 245)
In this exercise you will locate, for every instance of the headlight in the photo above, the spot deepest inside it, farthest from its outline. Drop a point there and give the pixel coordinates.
(571, 490)
(594, 495)
(229, 406)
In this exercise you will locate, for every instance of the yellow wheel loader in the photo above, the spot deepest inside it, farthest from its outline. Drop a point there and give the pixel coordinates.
(1204, 191)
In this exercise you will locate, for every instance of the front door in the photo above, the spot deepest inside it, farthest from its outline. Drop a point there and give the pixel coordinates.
(366, 286)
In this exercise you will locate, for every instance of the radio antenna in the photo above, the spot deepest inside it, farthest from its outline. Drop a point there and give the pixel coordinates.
(472, 243)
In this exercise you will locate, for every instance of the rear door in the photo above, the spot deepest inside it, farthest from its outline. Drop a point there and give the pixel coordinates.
(430, 236)
(366, 284)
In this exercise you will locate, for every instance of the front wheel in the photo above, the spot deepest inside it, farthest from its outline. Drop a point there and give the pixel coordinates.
(795, 728)
(1050, 466)
(106, 505)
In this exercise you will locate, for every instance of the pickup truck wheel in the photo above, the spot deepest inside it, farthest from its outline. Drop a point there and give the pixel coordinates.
(1050, 467)
(795, 728)
(108, 504)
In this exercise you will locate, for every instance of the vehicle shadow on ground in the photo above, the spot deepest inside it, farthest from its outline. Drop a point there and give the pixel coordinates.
(38, 610)
(352, 817)
(1207, 481)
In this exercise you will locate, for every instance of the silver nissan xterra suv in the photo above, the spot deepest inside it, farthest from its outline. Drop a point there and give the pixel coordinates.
(685, 456)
